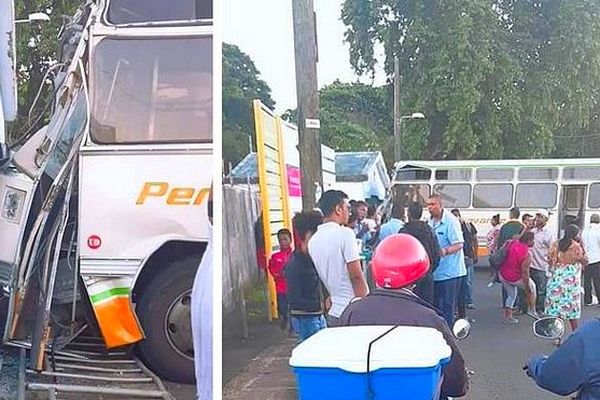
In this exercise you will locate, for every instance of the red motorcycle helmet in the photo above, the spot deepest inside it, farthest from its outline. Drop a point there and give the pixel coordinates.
(399, 260)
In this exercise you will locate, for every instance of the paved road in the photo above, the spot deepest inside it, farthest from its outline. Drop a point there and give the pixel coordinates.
(495, 352)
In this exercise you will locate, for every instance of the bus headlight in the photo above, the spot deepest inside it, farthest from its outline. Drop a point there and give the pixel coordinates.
(12, 205)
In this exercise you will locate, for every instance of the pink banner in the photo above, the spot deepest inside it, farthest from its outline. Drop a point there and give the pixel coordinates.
(294, 185)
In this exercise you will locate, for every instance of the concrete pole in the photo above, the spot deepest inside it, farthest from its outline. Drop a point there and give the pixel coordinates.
(305, 50)
(397, 121)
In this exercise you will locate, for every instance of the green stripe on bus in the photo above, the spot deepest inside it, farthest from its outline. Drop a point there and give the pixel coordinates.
(120, 291)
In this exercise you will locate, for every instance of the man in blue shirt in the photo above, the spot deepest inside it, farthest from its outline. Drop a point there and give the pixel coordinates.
(396, 221)
(452, 262)
(574, 366)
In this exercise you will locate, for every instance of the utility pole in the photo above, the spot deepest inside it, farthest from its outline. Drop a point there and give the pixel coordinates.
(305, 50)
(397, 121)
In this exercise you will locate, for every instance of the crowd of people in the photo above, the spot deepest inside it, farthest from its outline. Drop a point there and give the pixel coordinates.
(544, 275)
(319, 281)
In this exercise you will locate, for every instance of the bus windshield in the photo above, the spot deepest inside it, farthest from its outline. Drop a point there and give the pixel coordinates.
(138, 11)
(152, 90)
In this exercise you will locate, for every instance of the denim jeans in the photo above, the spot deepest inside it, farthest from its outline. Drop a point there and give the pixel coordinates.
(283, 311)
(465, 289)
(308, 325)
(541, 280)
(461, 301)
(424, 288)
(469, 289)
(445, 296)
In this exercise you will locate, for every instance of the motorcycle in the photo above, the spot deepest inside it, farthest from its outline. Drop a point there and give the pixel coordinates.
(548, 328)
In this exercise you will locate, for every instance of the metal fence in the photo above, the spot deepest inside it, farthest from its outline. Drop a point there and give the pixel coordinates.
(241, 209)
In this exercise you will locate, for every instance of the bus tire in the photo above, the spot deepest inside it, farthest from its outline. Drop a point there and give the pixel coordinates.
(166, 322)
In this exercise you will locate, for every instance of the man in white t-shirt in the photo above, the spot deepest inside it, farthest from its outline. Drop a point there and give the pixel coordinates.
(334, 251)
(539, 269)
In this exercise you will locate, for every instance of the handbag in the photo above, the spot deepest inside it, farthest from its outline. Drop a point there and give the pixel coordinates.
(498, 257)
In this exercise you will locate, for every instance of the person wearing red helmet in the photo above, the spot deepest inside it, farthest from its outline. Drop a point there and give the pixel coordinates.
(398, 263)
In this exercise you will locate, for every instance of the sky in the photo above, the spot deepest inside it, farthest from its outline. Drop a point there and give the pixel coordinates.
(263, 30)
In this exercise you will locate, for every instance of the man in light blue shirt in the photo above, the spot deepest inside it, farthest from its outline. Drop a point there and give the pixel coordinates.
(452, 262)
(396, 221)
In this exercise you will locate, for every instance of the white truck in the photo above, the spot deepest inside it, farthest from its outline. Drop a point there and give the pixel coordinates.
(103, 213)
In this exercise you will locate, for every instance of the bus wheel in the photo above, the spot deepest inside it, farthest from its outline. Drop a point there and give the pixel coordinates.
(164, 311)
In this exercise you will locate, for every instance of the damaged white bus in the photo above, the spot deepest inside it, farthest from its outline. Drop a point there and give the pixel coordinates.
(104, 211)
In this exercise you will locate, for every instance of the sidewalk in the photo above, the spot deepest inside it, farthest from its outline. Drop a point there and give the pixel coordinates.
(266, 377)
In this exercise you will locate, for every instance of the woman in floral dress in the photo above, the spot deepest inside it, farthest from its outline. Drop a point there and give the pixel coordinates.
(567, 260)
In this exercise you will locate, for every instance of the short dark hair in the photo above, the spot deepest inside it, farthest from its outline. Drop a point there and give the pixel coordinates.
(284, 231)
(438, 197)
(525, 216)
(455, 211)
(330, 200)
(526, 237)
(371, 211)
(415, 210)
(398, 209)
(351, 219)
(307, 221)
(514, 212)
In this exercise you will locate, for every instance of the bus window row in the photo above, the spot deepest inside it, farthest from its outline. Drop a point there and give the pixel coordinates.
(495, 195)
(501, 174)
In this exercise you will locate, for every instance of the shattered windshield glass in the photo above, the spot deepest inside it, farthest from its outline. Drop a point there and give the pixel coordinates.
(71, 129)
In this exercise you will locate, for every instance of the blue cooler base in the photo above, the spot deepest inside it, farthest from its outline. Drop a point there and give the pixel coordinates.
(386, 384)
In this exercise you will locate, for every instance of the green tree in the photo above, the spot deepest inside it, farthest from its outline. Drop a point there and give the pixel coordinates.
(36, 51)
(354, 117)
(495, 79)
(241, 85)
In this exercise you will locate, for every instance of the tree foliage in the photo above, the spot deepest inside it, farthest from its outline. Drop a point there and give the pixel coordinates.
(354, 117)
(36, 52)
(241, 85)
(499, 79)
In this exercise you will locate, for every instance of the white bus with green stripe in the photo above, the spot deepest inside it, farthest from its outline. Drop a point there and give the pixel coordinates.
(104, 210)
(568, 188)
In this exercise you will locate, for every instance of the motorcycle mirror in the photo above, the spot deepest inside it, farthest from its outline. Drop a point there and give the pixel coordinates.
(550, 328)
(461, 329)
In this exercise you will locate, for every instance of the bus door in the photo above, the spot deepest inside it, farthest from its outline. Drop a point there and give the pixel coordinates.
(572, 206)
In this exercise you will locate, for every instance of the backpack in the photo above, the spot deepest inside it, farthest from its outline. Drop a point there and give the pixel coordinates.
(497, 258)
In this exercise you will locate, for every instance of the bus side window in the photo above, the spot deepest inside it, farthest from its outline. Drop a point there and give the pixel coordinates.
(132, 11)
(494, 174)
(493, 195)
(412, 173)
(412, 192)
(457, 175)
(536, 195)
(454, 195)
(538, 174)
(594, 199)
(585, 173)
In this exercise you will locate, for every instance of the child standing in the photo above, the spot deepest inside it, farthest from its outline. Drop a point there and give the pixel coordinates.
(276, 265)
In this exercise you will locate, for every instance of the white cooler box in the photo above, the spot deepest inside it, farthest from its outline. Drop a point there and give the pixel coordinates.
(405, 363)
